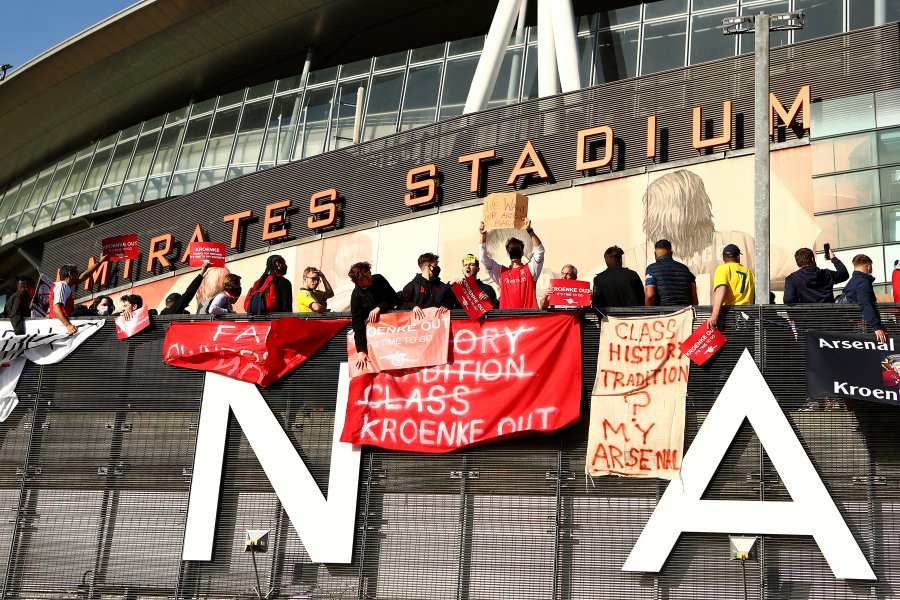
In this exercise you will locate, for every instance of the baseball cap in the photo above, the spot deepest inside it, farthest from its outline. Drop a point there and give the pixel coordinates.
(731, 250)
(469, 259)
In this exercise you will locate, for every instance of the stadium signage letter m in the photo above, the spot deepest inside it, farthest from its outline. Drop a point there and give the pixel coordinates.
(325, 525)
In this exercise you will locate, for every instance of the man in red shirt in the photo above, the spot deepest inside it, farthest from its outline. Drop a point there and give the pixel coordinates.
(62, 296)
(517, 281)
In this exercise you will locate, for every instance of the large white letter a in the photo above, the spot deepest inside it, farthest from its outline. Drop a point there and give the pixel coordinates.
(812, 512)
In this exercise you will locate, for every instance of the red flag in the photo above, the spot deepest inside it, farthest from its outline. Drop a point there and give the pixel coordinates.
(467, 295)
(506, 377)
(257, 352)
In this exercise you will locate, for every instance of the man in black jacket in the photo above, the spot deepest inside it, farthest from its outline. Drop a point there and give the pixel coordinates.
(18, 304)
(422, 291)
(371, 296)
(177, 303)
(617, 285)
(811, 284)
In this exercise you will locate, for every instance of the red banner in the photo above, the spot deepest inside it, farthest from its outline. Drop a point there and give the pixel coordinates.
(401, 341)
(207, 252)
(702, 344)
(570, 293)
(138, 321)
(121, 247)
(256, 352)
(506, 377)
(467, 294)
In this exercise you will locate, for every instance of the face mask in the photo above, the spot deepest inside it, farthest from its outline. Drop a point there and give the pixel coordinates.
(435, 272)
(103, 310)
(516, 253)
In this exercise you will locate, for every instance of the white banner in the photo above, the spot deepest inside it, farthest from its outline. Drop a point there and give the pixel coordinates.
(45, 342)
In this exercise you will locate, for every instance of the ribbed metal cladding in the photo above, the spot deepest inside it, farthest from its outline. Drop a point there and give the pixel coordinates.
(96, 468)
(371, 177)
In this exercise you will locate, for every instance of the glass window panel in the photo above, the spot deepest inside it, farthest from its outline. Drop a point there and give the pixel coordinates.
(664, 8)
(130, 132)
(473, 44)
(194, 141)
(529, 85)
(824, 17)
(322, 76)
(85, 203)
(583, 24)
(98, 169)
(705, 4)
(107, 141)
(887, 108)
(176, 115)
(427, 53)
(891, 219)
(64, 209)
(40, 189)
(822, 152)
(889, 146)
(890, 184)
(221, 138)
(259, 91)
(77, 177)
(250, 133)
(344, 114)
(620, 16)
(707, 40)
(663, 46)
(106, 199)
(776, 38)
(120, 162)
(506, 90)
(384, 105)
(288, 84)
(143, 156)
(9, 199)
(314, 123)
(457, 81)
(853, 228)
(203, 107)
(849, 190)
(15, 212)
(56, 184)
(238, 171)
(283, 122)
(45, 214)
(182, 183)
(862, 12)
(210, 177)
(168, 147)
(153, 123)
(420, 103)
(586, 44)
(842, 115)
(360, 67)
(231, 99)
(843, 153)
(617, 55)
(131, 192)
(398, 59)
(157, 187)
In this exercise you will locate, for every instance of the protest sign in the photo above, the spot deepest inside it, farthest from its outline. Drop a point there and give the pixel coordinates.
(505, 210)
(45, 342)
(637, 404)
(506, 377)
(207, 252)
(702, 344)
(468, 292)
(401, 341)
(258, 352)
(570, 293)
(40, 303)
(138, 321)
(121, 247)
(852, 366)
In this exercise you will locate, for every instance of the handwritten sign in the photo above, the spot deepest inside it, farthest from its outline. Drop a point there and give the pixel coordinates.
(508, 377)
(637, 404)
(121, 247)
(702, 344)
(505, 210)
(570, 293)
(400, 341)
(207, 252)
(468, 292)
(139, 321)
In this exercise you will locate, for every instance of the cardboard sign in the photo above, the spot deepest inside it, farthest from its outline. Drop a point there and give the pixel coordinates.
(505, 210)
(139, 321)
(121, 247)
(207, 252)
(570, 293)
(400, 341)
(702, 344)
(468, 295)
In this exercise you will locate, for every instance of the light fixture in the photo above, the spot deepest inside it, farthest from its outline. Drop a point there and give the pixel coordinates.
(742, 547)
(787, 21)
(257, 540)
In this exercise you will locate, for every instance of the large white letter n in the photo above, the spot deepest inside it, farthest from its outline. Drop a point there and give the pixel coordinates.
(325, 526)
(812, 511)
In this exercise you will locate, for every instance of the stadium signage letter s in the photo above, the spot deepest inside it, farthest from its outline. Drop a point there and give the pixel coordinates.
(326, 526)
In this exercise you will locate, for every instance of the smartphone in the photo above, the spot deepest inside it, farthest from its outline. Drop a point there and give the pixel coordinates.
(827, 247)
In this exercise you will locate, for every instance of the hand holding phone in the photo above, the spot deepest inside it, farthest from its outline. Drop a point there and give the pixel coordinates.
(827, 251)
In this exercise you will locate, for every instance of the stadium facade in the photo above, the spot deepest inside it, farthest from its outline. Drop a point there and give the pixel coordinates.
(658, 142)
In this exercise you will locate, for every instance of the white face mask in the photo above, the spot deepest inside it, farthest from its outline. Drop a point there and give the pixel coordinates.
(103, 310)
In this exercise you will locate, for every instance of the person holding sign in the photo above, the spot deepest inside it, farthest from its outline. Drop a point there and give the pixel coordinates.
(371, 296)
(517, 281)
(568, 272)
(669, 282)
(733, 283)
(422, 291)
(62, 296)
(177, 303)
(471, 266)
(311, 299)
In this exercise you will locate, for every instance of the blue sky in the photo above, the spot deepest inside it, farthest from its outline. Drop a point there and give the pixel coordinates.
(30, 27)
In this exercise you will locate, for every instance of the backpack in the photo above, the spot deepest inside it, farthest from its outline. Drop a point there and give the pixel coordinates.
(258, 304)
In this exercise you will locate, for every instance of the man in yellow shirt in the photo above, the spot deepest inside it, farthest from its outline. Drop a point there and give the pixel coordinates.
(311, 299)
(733, 284)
